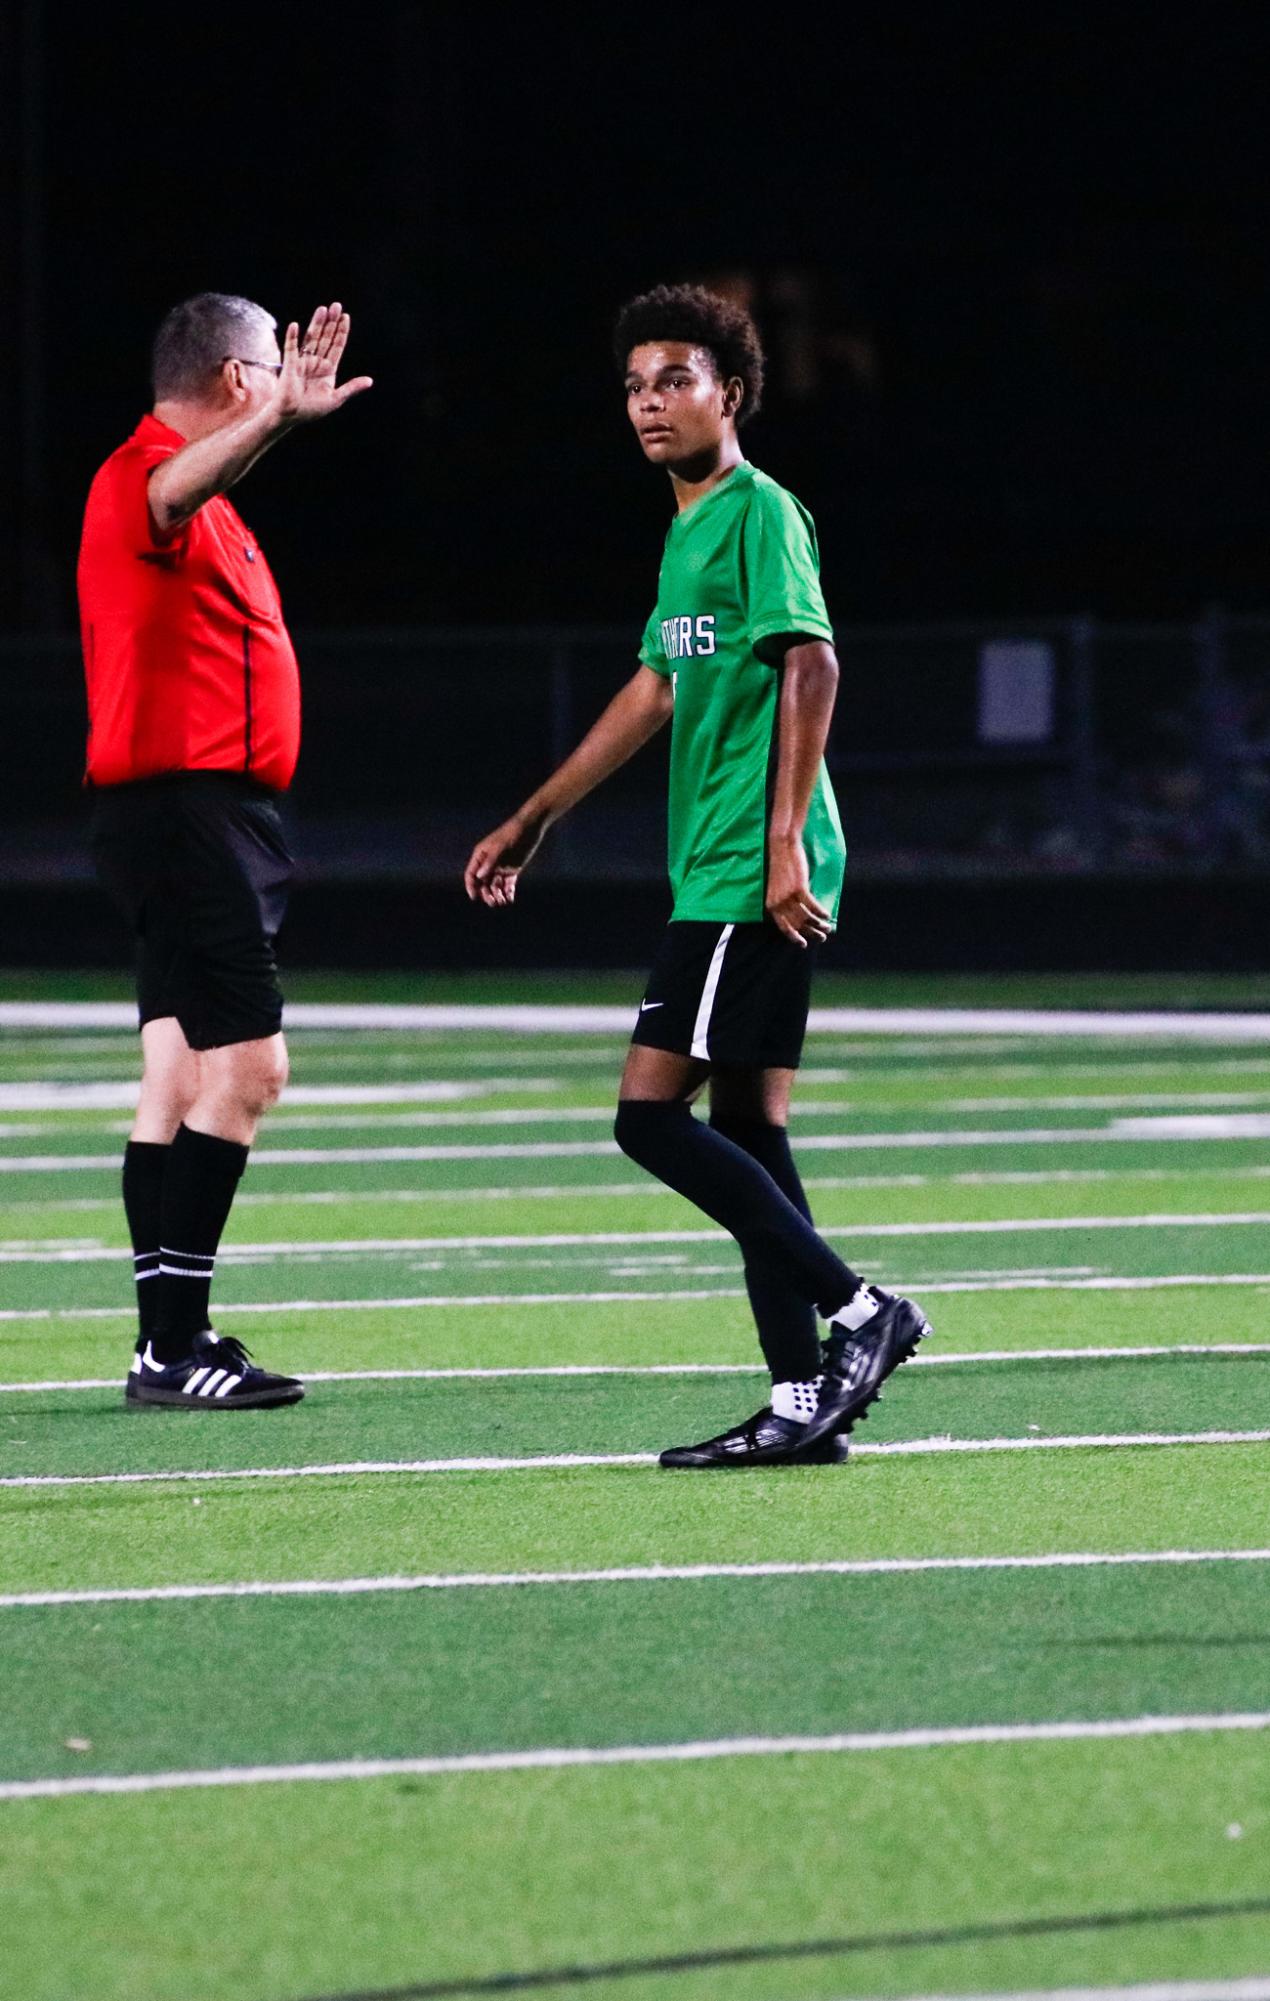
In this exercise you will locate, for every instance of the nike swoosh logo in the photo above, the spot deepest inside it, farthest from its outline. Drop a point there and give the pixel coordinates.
(645, 1005)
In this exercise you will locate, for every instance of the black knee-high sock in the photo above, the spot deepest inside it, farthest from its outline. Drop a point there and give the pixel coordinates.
(144, 1163)
(731, 1187)
(787, 1328)
(198, 1188)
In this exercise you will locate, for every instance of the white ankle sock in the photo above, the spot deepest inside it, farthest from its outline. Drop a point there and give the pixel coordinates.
(857, 1312)
(796, 1401)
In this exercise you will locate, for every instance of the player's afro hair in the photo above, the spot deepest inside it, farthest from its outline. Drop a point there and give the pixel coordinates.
(690, 313)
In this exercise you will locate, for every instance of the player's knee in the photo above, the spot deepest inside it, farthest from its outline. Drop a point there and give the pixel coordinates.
(274, 1075)
(645, 1127)
(260, 1077)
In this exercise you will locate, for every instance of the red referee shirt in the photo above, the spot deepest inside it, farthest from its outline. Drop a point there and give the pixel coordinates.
(188, 662)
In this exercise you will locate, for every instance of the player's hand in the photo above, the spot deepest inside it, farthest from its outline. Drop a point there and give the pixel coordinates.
(496, 862)
(307, 387)
(790, 903)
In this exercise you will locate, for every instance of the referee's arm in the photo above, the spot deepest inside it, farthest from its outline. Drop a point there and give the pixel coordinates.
(180, 485)
(306, 388)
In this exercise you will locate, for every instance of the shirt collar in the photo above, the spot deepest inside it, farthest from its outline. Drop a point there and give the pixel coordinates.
(151, 431)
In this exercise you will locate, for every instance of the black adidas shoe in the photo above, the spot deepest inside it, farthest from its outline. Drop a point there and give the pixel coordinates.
(763, 1440)
(219, 1375)
(857, 1364)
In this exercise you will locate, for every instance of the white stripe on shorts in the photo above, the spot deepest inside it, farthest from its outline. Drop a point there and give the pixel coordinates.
(701, 1027)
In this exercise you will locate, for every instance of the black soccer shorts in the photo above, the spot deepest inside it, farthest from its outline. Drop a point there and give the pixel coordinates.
(198, 864)
(732, 994)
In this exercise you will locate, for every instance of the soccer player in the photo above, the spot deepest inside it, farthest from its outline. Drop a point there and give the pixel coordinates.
(194, 728)
(740, 652)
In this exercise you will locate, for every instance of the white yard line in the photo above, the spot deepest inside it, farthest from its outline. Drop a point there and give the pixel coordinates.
(558, 1461)
(625, 1190)
(122, 1095)
(553, 1370)
(638, 1754)
(49, 1252)
(1083, 1101)
(654, 1573)
(552, 1019)
(1217, 1126)
(1006, 1283)
(1256, 1988)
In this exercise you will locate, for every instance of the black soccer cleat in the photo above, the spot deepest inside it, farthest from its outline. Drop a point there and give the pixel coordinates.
(763, 1440)
(857, 1364)
(219, 1375)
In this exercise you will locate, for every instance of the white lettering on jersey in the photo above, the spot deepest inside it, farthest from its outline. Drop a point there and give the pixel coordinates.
(682, 638)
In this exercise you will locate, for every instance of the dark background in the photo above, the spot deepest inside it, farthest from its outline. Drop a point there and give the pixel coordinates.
(1011, 264)
(1011, 268)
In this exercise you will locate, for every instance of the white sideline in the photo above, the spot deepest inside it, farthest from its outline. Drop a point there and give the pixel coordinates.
(558, 1461)
(657, 1573)
(1255, 1988)
(568, 1369)
(1008, 1283)
(329, 1198)
(551, 1019)
(246, 1253)
(1216, 1126)
(122, 1096)
(637, 1754)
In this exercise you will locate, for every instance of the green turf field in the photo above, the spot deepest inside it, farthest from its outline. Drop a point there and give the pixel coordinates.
(436, 1685)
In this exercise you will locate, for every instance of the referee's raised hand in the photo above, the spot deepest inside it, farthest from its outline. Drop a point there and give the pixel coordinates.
(307, 387)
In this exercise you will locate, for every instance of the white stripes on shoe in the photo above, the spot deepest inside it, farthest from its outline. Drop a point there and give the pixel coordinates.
(204, 1381)
(701, 1027)
(208, 1382)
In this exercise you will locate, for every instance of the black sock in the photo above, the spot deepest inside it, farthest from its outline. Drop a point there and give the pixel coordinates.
(143, 1166)
(730, 1186)
(198, 1188)
(788, 1331)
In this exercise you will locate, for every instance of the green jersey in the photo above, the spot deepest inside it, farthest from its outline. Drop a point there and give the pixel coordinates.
(740, 569)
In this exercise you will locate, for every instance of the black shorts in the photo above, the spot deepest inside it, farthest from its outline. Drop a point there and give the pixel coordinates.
(732, 994)
(198, 864)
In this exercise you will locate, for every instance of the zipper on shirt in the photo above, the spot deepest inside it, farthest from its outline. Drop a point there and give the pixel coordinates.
(246, 698)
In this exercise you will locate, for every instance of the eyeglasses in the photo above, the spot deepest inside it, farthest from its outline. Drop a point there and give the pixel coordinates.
(274, 367)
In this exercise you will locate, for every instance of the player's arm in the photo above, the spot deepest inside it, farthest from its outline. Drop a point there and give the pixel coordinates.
(809, 685)
(306, 388)
(635, 714)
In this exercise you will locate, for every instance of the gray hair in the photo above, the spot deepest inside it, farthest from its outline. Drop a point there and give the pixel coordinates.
(198, 335)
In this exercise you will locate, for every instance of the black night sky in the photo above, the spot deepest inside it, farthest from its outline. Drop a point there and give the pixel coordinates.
(1011, 266)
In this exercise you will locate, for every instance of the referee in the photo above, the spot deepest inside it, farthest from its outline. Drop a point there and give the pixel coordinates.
(193, 732)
